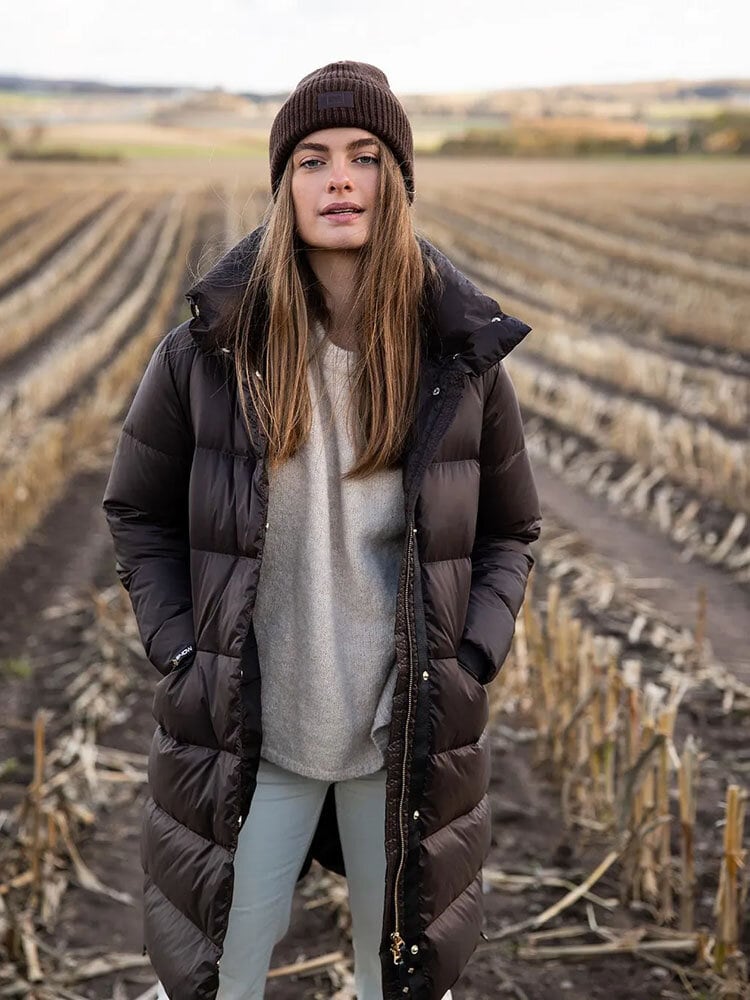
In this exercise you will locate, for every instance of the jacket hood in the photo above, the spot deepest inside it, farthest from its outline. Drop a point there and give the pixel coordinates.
(468, 328)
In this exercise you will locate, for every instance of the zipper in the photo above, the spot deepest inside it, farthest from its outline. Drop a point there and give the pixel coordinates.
(397, 942)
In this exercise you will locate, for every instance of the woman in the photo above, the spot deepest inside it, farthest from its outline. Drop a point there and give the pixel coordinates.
(322, 509)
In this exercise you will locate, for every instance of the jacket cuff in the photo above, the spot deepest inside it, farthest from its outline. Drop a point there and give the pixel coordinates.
(472, 659)
(174, 639)
(183, 657)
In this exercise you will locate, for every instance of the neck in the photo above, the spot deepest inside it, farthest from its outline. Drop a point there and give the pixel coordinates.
(336, 271)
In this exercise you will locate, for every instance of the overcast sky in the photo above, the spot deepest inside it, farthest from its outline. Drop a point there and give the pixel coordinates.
(268, 45)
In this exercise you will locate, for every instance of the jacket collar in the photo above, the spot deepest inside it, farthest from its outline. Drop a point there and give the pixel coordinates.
(469, 331)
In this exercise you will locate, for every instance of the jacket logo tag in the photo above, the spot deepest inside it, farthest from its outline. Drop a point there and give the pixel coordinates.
(336, 99)
(179, 657)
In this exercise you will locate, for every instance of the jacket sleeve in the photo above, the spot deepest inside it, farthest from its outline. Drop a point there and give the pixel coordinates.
(146, 507)
(508, 521)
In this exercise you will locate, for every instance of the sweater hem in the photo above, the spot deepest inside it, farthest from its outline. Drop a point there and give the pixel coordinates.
(307, 772)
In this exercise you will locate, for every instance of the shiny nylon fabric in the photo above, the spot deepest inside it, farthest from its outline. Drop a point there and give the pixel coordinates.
(187, 506)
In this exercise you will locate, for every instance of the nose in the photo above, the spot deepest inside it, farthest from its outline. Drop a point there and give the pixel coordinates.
(338, 178)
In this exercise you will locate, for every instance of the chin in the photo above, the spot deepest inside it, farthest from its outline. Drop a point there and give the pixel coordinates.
(337, 240)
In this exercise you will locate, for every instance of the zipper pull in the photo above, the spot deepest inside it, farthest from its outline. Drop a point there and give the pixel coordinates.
(397, 946)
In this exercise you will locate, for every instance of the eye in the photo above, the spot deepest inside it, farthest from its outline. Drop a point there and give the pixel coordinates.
(315, 159)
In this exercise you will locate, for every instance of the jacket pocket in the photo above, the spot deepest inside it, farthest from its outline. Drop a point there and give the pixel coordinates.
(473, 661)
(466, 669)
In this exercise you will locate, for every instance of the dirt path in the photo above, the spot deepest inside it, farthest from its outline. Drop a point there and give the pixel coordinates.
(646, 554)
(57, 562)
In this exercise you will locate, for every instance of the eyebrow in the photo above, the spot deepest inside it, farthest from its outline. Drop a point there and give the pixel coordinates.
(320, 147)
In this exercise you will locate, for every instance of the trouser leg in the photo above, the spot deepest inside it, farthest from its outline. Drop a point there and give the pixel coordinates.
(272, 845)
(360, 810)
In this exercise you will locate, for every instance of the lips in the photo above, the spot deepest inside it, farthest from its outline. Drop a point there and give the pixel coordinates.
(343, 208)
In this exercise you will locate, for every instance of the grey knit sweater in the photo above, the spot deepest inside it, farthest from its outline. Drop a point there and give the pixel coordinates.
(325, 609)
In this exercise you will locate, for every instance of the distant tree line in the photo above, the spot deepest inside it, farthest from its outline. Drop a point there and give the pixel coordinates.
(727, 133)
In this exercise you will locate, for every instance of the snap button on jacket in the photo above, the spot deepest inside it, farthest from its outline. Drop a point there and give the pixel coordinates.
(187, 504)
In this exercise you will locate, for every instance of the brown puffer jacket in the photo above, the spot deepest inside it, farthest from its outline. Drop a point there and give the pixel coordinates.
(187, 506)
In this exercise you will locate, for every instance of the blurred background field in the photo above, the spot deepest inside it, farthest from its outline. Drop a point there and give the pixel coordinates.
(38, 119)
(615, 220)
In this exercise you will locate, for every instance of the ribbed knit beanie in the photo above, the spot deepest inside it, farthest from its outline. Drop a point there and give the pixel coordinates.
(342, 94)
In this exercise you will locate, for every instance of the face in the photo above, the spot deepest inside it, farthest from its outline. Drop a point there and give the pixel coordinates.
(335, 165)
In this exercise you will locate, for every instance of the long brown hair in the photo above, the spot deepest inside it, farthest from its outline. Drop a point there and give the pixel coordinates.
(393, 281)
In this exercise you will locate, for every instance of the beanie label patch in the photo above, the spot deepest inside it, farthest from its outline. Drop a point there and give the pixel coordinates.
(336, 99)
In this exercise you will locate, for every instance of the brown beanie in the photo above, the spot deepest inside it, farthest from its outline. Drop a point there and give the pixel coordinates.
(342, 94)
